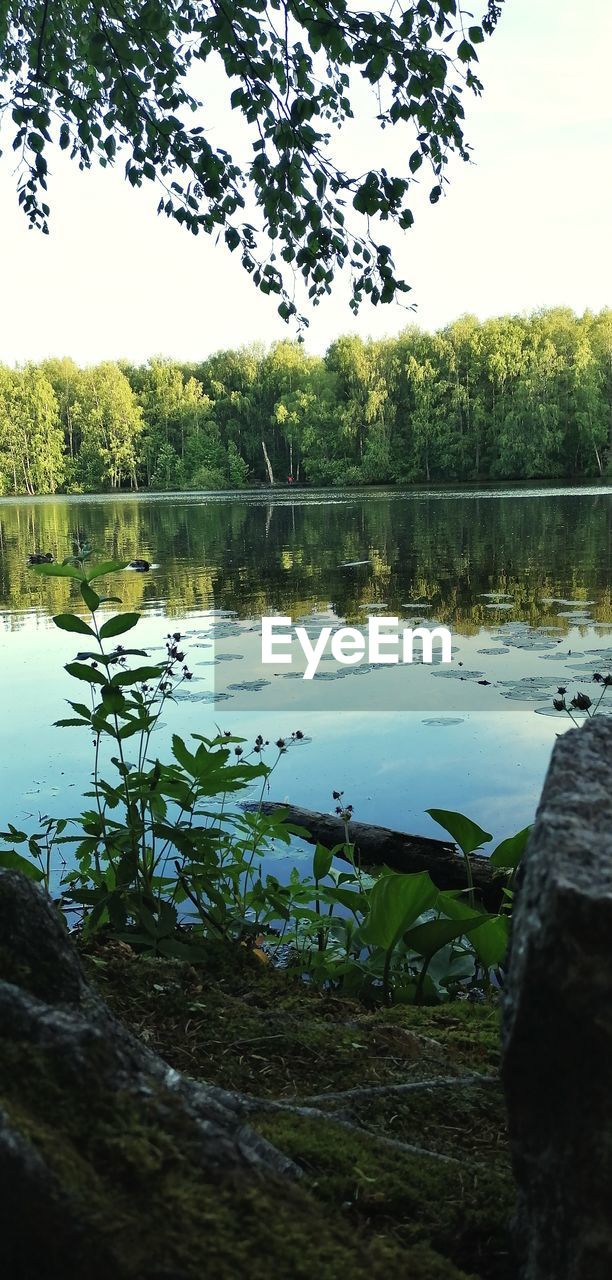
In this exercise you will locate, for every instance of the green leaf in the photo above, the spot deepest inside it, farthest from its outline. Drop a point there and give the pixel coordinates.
(70, 723)
(58, 571)
(490, 941)
(465, 51)
(476, 35)
(468, 834)
(113, 699)
(508, 854)
(117, 625)
(106, 566)
(183, 755)
(489, 936)
(13, 861)
(321, 862)
(140, 675)
(71, 622)
(396, 901)
(91, 598)
(430, 937)
(82, 672)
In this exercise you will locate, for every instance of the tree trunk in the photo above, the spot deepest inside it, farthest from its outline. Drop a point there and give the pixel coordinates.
(268, 463)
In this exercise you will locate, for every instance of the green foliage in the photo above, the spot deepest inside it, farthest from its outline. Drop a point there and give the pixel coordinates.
(163, 859)
(127, 81)
(510, 398)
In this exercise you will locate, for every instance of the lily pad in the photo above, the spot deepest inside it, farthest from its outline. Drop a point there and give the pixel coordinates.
(443, 721)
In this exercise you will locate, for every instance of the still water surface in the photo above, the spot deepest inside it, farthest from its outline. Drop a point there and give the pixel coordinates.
(522, 578)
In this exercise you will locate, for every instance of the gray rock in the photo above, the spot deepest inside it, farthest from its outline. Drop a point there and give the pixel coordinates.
(557, 1032)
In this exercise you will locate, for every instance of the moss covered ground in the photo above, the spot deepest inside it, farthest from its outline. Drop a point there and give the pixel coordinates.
(413, 1184)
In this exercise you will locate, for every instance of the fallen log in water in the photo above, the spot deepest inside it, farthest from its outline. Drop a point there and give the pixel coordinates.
(383, 847)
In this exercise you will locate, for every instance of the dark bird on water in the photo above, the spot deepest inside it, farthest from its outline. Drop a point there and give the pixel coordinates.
(38, 557)
(141, 566)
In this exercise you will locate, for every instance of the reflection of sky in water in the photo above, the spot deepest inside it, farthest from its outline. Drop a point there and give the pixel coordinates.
(480, 748)
(391, 766)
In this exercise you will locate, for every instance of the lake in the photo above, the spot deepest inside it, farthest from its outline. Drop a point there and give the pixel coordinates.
(520, 576)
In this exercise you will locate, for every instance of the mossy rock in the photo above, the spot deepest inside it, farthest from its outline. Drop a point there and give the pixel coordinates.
(113, 1163)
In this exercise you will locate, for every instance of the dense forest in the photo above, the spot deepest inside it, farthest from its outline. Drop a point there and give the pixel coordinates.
(516, 397)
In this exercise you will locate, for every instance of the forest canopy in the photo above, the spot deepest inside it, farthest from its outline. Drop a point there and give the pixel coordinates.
(122, 80)
(514, 397)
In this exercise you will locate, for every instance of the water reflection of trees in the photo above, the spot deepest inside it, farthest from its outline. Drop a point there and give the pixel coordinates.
(256, 556)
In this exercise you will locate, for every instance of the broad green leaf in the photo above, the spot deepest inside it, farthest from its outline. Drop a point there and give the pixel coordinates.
(58, 571)
(430, 937)
(508, 854)
(81, 671)
(117, 625)
(70, 723)
(13, 861)
(184, 757)
(91, 598)
(468, 835)
(490, 941)
(321, 862)
(71, 622)
(140, 675)
(106, 566)
(489, 936)
(354, 900)
(113, 699)
(396, 901)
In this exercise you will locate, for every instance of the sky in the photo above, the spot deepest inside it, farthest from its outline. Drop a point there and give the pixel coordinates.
(526, 225)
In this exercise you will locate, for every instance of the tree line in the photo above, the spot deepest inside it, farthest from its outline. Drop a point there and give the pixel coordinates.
(514, 397)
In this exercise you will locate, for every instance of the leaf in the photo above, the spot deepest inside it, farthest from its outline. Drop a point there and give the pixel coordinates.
(117, 625)
(69, 724)
(395, 902)
(321, 862)
(113, 699)
(106, 566)
(14, 861)
(489, 937)
(465, 51)
(183, 755)
(82, 672)
(71, 622)
(430, 937)
(140, 675)
(468, 834)
(490, 941)
(58, 571)
(91, 598)
(508, 854)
